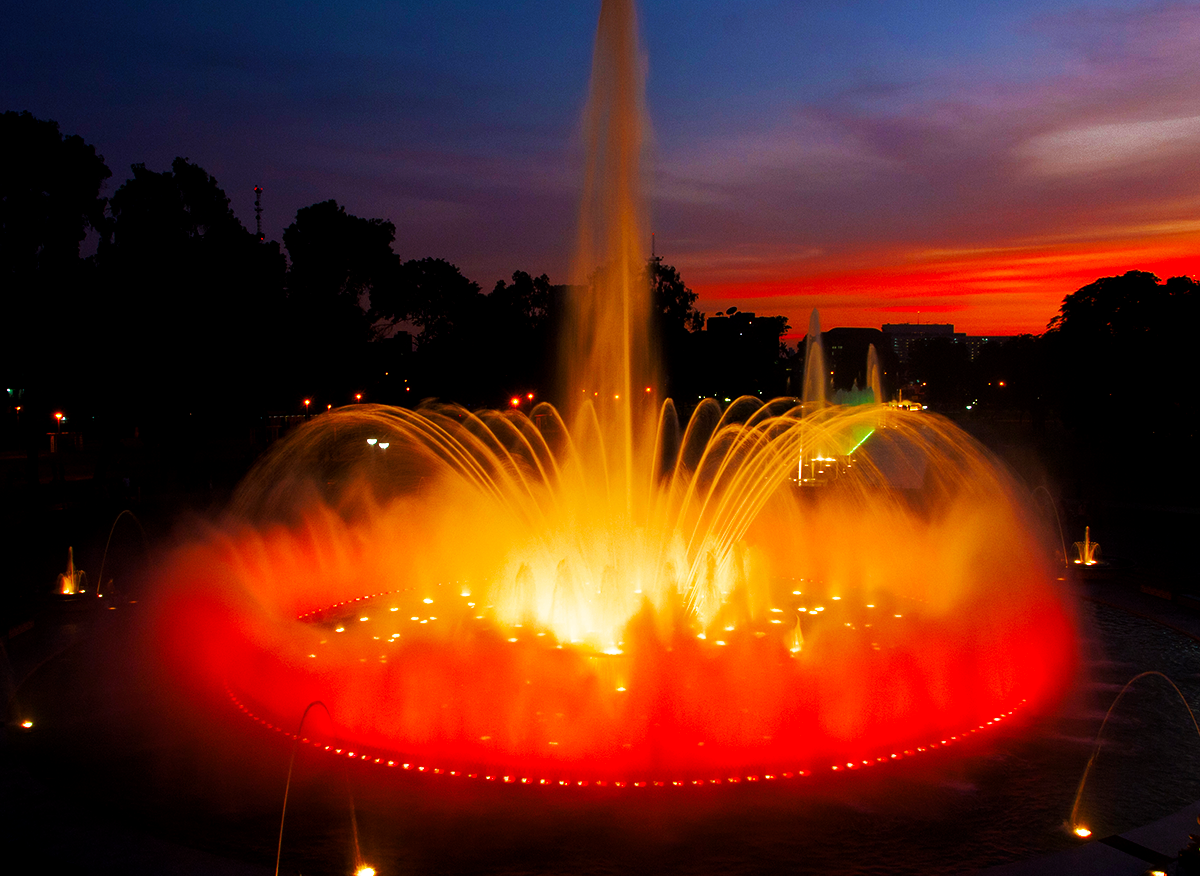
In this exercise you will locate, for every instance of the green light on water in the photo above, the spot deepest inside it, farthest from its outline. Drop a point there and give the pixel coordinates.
(860, 443)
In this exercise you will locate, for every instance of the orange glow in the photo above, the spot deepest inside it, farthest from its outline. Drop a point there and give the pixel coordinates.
(1000, 290)
(1082, 832)
(665, 690)
(515, 401)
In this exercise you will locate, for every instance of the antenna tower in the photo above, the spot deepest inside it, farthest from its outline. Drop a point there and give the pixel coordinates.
(258, 211)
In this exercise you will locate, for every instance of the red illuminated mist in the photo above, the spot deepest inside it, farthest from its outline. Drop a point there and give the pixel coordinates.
(488, 618)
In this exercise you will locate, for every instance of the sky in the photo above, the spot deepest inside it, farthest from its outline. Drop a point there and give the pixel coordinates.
(963, 162)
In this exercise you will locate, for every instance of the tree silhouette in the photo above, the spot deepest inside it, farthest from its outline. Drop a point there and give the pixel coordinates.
(1115, 338)
(433, 295)
(675, 322)
(672, 300)
(526, 299)
(49, 194)
(342, 266)
(190, 296)
(1120, 355)
(49, 200)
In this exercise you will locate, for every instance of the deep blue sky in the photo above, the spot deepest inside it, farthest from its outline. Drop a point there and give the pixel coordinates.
(972, 160)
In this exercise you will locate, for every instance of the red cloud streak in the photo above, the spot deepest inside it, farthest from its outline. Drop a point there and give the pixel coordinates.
(1000, 291)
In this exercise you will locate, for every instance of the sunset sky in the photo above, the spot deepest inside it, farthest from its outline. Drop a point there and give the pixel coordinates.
(965, 162)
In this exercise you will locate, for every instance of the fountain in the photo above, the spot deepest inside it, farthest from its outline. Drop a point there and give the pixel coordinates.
(1087, 550)
(1075, 822)
(606, 594)
(72, 581)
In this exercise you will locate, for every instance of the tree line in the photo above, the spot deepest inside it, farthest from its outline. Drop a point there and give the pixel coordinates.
(181, 311)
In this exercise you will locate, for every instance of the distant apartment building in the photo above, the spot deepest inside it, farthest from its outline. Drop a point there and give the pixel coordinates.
(976, 343)
(902, 337)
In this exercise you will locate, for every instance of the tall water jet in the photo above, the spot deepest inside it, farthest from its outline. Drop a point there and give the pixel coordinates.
(875, 375)
(815, 380)
(607, 354)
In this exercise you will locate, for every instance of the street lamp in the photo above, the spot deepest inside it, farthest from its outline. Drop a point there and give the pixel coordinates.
(59, 417)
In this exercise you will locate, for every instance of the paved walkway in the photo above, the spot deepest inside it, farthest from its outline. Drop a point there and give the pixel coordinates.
(1152, 846)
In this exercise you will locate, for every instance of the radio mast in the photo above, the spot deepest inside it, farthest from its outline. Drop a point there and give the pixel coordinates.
(258, 211)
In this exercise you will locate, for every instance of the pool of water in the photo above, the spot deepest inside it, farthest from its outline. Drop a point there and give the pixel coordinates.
(111, 743)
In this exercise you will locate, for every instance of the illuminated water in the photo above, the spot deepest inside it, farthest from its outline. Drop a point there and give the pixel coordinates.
(615, 595)
(129, 765)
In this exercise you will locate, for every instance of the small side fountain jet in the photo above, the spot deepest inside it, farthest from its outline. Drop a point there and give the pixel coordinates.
(1087, 549)
(73, 580)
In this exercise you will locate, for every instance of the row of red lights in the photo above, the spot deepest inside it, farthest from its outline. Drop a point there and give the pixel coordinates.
(601, 783)
(327, 609)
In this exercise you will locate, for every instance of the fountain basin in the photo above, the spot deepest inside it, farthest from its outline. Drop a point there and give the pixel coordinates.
(441, 684)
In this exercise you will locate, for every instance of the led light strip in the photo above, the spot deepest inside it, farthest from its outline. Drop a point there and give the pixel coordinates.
(381, 759)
